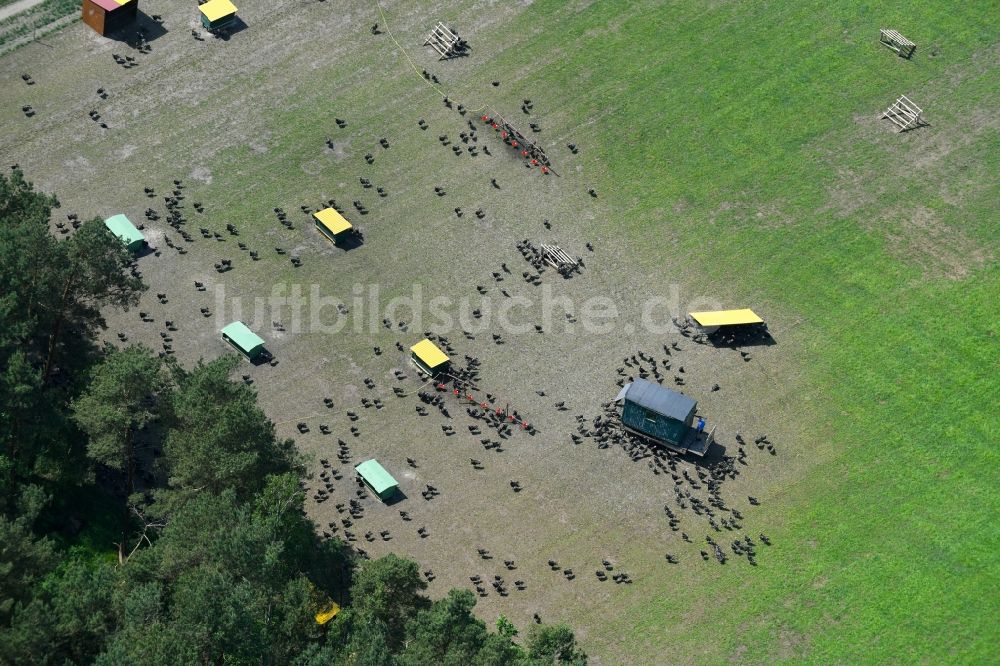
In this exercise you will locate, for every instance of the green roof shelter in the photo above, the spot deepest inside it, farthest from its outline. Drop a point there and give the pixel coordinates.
(123, 228)
(244, 340)
(377, 479)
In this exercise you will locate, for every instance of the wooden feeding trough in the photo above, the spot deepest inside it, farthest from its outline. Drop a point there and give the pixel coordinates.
(557, 258)
(533, 153)
(106, 16)
(444, 41)
(905, 114)
(664, 416)
(333, 225)
(429, 358)
(216, 14)
(245, 341)
(377, 479)
(894, 41)
(126, 232)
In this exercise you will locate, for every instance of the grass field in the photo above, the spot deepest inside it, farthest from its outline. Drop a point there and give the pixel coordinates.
(737, 153)
(37, 20)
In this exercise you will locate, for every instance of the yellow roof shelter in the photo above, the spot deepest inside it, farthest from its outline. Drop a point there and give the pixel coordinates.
(428, 353)
(327, 615)
(726, 317)
(332, 221)
(213, 10)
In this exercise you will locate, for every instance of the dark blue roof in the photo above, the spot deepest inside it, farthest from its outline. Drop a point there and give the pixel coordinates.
(660, 400)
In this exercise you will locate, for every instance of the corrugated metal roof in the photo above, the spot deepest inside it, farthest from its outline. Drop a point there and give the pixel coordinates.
(376, 476)
(216, 9)
(122, 227)
(660, 400)
(242, 336)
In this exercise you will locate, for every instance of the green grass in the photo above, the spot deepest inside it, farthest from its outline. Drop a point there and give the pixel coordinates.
(887, 542)
(891, 542)
(38, 18)
(736, 148)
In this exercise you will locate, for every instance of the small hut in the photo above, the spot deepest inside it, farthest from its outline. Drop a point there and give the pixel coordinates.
(123, 228)
(106, 16)
(332, 224)
(244, 340)
(378, 480)
(429, 358)
(664, 416)
(217, 14)
(657, 411)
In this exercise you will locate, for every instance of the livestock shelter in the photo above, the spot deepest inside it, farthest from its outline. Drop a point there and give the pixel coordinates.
(731, 327)
(709, 319)
(106, 16)
(333, 225)
(378, 480)
(217, 14)
(126, 232)
(244, 340)
(657, 412)
(428, 357)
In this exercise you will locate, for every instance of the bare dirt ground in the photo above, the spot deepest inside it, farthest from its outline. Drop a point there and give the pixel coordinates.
(242, 124)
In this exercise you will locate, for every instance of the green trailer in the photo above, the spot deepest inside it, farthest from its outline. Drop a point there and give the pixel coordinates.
(377, 479)
(664, 416)
(126, 232)
(245, 341)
